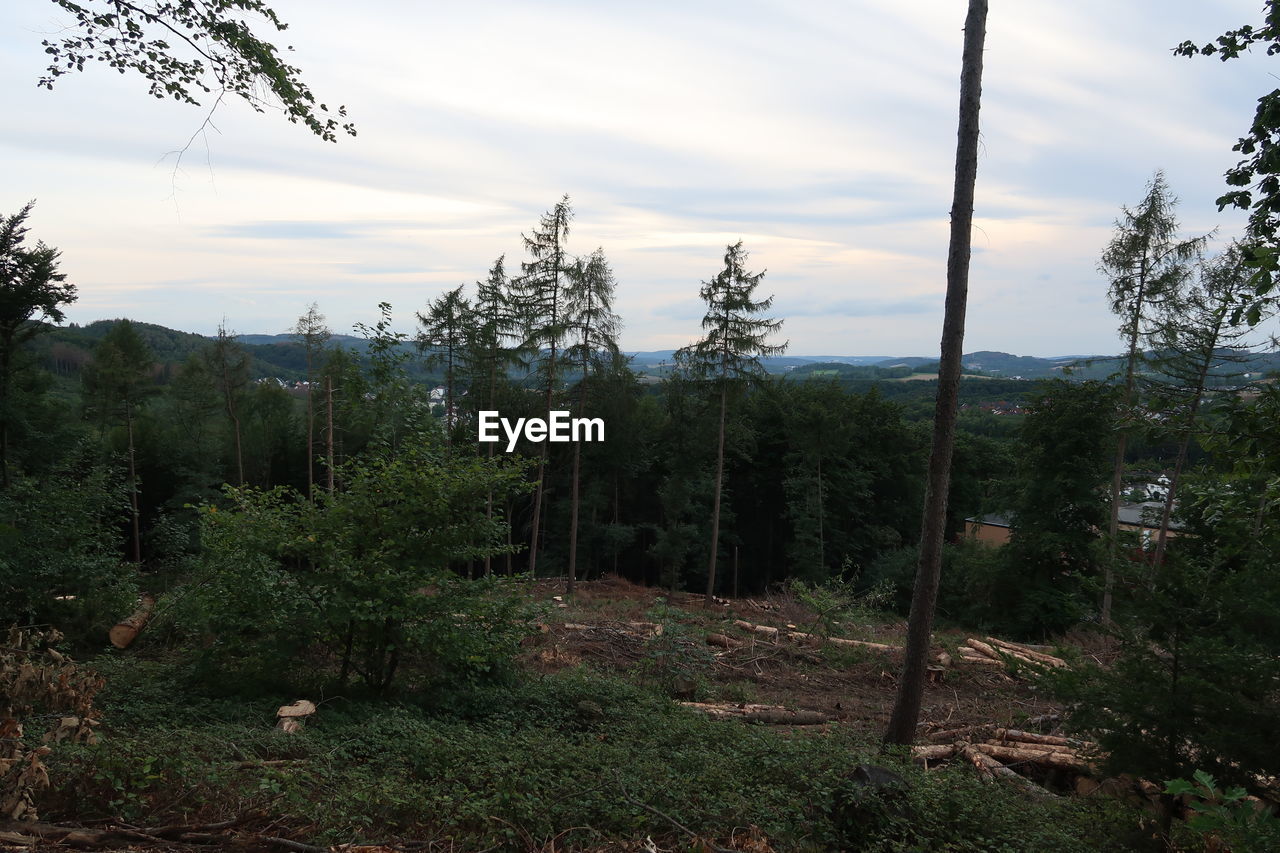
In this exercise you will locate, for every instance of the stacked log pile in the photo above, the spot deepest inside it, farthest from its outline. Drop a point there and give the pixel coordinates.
(1002, 654)
(1001, 752)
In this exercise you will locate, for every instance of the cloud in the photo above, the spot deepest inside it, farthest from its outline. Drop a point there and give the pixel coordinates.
(856, 307)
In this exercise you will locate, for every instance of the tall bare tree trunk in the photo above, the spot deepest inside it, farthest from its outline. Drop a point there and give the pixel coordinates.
(311, 435)
(573, 520)
(1117, 476)
(715, 501)
(906, 709)
(133, 491)
(328, 389)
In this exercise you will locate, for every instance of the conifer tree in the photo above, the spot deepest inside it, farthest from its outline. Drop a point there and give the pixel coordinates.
(1148, 265)
(490, 352)
(442, 334)
(1196, 341)
(32, 293)
(729, 357)
(540, 296)
(313, 334)
(118, 382)
(229, 368)
(594, 329)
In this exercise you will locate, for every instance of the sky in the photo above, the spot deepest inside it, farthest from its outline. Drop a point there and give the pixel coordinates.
(821, 134)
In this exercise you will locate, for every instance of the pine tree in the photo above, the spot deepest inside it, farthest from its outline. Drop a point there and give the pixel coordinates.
(229, 368)
(1195, 341)
(1148, 265)
(540, 297)
(594, 328)
(32, 293)
(729, 357)
(313, 334)
(443, 332)
(118, 383)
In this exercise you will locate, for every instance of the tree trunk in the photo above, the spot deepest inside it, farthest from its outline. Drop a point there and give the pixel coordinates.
(906, 709)
(573, 521)
(328, 387)
(1117, 476)
(537, 514)
(133, 491)
(311, 428)
(126, 631)
(715, 502)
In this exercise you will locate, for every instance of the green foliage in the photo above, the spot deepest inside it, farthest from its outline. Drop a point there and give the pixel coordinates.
(60, 560)
(1226, 815)
(570, 757)
(364, 571)
(185, 49)
(1064, 452)
(32, 293)
(839, 601)
(1193, 686)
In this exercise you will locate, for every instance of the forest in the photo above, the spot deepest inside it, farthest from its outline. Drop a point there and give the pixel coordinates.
(276, 593)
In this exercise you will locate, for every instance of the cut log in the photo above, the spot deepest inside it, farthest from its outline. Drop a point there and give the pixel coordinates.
(944, 660)
(976, 759)
(1043, 740)
(983, 648)
(126, 631)
(1047, 755)
(992, 767)
(764, 630)
(982, 660)
(1024, 651)
(950, 735)
(724, 641)
(772, 714)
(933, 752)
(864, 644)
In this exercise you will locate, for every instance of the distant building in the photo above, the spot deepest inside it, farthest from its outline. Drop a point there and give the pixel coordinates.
(996, 529)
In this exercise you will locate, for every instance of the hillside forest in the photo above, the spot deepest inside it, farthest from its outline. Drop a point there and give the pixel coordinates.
(274, 592)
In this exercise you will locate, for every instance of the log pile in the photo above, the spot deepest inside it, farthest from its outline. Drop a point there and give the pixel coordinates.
(1000, 753)
(775, 634)
(1002, 654)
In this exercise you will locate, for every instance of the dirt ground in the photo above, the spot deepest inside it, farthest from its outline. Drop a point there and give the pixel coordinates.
(609, 629)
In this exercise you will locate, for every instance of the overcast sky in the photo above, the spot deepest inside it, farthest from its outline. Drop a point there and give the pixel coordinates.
(822, 134)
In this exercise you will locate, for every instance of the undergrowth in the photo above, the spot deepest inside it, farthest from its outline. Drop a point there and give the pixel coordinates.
(576, 756)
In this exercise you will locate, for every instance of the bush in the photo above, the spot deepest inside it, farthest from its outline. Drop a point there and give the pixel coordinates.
(60, 561)
(362, 576)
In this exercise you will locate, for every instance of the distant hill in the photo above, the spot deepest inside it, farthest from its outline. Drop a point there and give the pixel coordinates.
(65, 349)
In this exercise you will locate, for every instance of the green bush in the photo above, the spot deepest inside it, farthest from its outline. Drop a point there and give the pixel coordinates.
(60, 560)
(359, 581)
